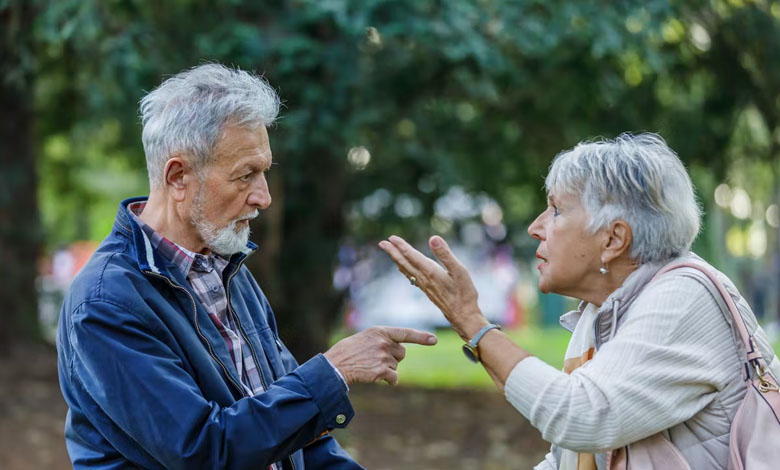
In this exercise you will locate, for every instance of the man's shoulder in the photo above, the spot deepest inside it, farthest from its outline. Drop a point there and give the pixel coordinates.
(107, 276)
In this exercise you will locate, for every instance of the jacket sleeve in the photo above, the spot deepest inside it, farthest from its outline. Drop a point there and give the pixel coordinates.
(666, 362)
(133, 387)
(325, 453)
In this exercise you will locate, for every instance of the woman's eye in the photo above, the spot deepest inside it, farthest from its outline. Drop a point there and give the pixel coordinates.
(555, 210)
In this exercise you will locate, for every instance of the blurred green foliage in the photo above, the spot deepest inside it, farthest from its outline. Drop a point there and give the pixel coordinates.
(408, 96)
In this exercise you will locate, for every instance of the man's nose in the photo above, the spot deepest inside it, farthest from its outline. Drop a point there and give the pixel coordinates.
(260, 196)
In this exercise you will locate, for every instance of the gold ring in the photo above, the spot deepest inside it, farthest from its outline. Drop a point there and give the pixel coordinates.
(413, 280)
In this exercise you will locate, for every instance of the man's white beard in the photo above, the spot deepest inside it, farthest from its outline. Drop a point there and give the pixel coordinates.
(226, 240)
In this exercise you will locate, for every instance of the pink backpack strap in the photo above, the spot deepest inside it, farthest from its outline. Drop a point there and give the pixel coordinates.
(753, 354)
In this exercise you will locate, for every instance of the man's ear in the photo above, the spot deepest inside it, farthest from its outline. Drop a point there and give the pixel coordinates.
(617, 242)
(178, 173)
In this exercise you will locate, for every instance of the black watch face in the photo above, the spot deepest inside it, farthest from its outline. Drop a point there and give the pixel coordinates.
(470, 354)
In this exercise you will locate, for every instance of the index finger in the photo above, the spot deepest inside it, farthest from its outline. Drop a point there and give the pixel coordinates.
(410, 335)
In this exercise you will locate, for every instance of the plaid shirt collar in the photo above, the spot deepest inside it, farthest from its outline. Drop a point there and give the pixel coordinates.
(183, 258)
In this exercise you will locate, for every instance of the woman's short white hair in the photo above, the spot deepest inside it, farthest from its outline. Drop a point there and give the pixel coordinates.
(635, 178)
(188, 111)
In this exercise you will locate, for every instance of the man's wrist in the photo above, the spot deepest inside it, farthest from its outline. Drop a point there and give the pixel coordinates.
(338, 372)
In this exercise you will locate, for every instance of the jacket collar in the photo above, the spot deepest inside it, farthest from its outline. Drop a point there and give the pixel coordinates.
(570, 319)
(148, 259)
(616, 305)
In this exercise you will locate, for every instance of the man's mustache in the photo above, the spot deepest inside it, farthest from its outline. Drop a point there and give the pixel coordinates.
(250, 216)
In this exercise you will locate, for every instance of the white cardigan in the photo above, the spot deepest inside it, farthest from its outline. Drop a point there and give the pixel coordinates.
(671, 365)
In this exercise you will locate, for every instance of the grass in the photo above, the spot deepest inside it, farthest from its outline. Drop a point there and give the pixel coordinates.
(445, 366)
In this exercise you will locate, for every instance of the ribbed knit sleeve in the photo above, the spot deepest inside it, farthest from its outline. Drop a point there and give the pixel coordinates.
(669, 357)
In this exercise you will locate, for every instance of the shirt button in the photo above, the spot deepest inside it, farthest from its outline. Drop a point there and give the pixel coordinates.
(214, 288)
(340, 419)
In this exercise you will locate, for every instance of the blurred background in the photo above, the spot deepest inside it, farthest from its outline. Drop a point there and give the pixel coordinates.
(408, 117)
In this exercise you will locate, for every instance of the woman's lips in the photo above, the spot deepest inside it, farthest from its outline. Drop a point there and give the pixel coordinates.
(544, 261)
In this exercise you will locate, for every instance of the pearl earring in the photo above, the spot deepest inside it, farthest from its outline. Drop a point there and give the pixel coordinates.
(603, 270)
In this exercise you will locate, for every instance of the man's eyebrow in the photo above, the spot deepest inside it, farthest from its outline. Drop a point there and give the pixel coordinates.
(252, 166)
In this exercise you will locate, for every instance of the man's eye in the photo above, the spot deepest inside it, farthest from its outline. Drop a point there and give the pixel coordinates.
(555, 210)
(246, 177)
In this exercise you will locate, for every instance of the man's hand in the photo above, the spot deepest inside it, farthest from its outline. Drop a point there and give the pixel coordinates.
(373, 354)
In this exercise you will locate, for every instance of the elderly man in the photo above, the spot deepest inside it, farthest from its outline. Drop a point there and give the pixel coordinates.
(169, 355)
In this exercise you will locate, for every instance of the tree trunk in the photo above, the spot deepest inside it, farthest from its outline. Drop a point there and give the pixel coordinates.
(20, 230)
(299, 239)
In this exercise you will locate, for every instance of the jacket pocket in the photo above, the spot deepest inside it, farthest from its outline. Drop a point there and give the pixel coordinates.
(271, 348)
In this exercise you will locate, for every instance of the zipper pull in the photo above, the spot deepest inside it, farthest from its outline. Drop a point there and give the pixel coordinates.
(279, 344)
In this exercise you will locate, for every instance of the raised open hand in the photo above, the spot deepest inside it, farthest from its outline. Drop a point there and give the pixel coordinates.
(449, 287)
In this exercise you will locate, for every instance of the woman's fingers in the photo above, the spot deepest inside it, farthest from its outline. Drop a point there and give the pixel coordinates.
(423, 264)
(429, 276)
(442, 251)
(403, 264)
(412, 263)
(449, 287)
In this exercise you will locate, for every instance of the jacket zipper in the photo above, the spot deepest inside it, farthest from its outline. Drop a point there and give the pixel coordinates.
(205, 340)
(197, 328)
(246, 340)
(240, 327)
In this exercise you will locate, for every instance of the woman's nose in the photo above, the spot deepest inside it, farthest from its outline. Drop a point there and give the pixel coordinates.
(536, 229)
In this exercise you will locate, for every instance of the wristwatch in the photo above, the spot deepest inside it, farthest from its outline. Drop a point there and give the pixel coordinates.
(471, 349)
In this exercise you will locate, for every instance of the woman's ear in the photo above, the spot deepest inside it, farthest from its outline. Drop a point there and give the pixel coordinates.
(617, 242)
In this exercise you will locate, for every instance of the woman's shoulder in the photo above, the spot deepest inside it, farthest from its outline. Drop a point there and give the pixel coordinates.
(680, 286)
(690, 280)
(685, 300)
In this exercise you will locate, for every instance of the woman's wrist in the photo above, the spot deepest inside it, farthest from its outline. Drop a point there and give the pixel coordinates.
(467, 329)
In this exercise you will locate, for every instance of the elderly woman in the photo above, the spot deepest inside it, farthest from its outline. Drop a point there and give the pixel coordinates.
(652, 363)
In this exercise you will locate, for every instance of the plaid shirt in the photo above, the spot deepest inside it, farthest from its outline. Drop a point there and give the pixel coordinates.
(204, 273)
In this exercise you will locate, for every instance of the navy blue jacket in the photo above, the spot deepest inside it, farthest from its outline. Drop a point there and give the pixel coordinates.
(150, 384)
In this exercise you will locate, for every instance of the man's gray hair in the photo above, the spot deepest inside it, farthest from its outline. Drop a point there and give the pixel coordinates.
(635, 178)
(188, 111)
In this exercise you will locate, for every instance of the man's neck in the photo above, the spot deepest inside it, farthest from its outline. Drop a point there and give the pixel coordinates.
(165, 216)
